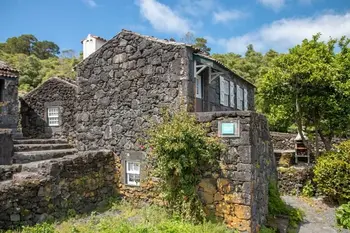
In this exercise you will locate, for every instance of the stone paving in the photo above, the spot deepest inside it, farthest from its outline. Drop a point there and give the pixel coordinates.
(319, 217)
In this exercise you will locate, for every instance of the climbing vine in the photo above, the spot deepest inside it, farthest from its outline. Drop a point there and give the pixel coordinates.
(182, 151)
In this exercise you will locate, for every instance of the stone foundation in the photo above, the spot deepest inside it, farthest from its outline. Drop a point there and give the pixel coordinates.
(73, 184)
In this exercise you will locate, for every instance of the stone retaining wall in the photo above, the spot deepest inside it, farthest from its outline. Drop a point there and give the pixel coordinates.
(77, 183)
(291, 180)
(285, 141)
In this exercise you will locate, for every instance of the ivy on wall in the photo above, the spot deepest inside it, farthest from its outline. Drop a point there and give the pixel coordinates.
(182, 151)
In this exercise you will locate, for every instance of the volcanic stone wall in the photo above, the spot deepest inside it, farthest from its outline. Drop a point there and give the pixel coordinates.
(9, 106)
(6, 147)
(123, 87)
(238, 190)
(55, 92)
(73, 184)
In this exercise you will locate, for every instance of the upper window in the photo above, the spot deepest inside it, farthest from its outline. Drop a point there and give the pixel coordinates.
(224, 91)
(239, 98)
(53, 116)
(133, 173)
(245, 100)
(199, 86)
(232, 95)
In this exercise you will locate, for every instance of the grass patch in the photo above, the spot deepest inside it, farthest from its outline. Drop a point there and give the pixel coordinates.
(128, 218)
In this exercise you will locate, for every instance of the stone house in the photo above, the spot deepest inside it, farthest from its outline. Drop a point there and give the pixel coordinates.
(8, 97)
(48, 110)
(127, 82)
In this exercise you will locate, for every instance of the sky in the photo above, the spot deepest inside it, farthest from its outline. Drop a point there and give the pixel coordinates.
(228, 25)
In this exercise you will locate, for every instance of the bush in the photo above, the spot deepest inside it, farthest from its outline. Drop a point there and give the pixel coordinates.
(40, 228)
(343, 215)
(183, 152)
(267, 230)
(308, 189)
(332, 173)
(277, 207)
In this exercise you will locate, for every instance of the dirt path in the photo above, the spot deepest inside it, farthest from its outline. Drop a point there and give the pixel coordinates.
(319, 217)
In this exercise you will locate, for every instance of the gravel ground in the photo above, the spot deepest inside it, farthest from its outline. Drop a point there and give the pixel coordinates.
(319, 217)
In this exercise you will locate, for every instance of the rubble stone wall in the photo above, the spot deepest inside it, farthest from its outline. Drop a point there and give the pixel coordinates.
(123, 87)
(291, 180)
(238, 190)
(9, 106)
(73, 184)
(55, 92)
(6, 147)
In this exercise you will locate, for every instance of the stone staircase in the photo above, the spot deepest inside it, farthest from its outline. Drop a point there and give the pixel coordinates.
(33, 150)
(30, 155)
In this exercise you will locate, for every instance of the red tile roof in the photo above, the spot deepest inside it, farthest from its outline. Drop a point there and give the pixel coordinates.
(7, 71)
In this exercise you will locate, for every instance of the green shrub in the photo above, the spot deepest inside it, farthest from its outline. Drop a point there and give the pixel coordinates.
(183, 152)
(39, 228)
(277, 206)
(308, 189)
(332, 173)
(267, 230)
(343, 215)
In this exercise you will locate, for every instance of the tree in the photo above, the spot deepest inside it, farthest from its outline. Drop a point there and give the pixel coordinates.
(198, 43)
(45, 49)
(22, 44)
(309, 84)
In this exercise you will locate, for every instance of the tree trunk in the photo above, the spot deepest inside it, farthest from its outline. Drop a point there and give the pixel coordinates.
(327, 141)
(300, 126)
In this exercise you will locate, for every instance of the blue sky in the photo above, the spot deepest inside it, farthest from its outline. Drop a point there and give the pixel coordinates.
(228, 25)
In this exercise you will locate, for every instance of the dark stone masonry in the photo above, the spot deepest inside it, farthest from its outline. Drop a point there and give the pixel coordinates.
(6, 147)
(125, 84)
(73, 184)
(246, 169)
(8, 97)
(55, 92)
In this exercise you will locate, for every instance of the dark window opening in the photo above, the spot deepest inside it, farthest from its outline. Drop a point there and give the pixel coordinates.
(2, 90)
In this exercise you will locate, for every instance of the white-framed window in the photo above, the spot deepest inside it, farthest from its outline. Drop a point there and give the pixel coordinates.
(232, 95)
(133, 173)
(224, 91)
(245, 99)
(239, 98)
(198, 86)
(53, 116)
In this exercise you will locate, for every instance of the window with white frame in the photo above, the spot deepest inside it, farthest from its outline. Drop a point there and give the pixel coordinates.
(232, 95)
(133, 173)
(245, 100)
(53, 116)
(224, 91)
(239, 98)
(199, 87)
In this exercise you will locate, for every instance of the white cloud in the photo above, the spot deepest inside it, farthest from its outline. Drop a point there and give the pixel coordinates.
(276, 5)
(163, 18)
(227, 15)
(196, 8)
(90, 3)
(285, 33)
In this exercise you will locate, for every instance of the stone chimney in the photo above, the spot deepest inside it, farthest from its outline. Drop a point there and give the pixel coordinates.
(91, 44)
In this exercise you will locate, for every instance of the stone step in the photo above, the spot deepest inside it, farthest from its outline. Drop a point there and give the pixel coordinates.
(40, 147)
(32, 156)
(35, 166)
(40, 141)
